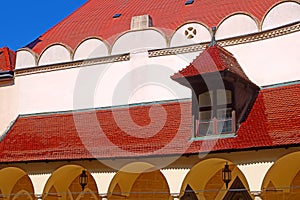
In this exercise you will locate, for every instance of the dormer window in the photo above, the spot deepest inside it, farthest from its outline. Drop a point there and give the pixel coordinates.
(216, 112)
(222, 93)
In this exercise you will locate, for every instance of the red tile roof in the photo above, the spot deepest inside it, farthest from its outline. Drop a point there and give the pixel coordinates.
(212, 59)
(95, 18)
(7, 59)
(155, 129)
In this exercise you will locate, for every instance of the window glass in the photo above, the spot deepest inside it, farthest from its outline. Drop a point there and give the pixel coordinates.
(224, 120)
(223, 114)
(223, 97)
(205, 126)
(205, 99)
(215, 112)
(205, 115)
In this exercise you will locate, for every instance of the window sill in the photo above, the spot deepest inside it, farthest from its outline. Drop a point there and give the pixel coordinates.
(213, 137)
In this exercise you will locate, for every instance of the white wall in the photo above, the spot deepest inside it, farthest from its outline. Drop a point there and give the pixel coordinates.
(141, 79)
(236, 25)
(8, 107)
(282, 14)
(138, 80)
(190, 33)
(25, 58)
(136, 40)
(145, 79)
(56, 53)
(270, 61)
(52, 91)
(91, 48)
(255, 173)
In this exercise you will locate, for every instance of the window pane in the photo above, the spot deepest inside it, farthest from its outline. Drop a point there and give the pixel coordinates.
(205, 99)
(205, 125)
(205, 128)
(224, 97)
(224, 113)
(224, 120)
(205, 115)
(225, 126)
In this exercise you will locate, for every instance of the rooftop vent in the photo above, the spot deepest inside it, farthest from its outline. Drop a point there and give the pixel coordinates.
(141, 22)
(188, 2)
(116, 15)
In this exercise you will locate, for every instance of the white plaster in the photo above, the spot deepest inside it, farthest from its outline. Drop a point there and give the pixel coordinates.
(190, 33)
(54, 54)
(144, 79)
(39, 181)
(8, 107)
(141, 79)
(135, 40)
(282, 14)
(175, 178)
(46, 91)
(103, 181)
(236, 25)
(270, 61)
(255, 174)
(25, 59)
(91, 48)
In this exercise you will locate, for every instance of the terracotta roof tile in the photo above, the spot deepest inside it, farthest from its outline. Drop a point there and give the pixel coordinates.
(7, 59)
(154, 129)
(94, 18)
(212, 59)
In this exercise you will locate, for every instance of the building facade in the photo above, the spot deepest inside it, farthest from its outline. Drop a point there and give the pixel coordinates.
(155, 100)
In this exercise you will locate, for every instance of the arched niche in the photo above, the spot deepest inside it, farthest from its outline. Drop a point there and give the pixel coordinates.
(135, 40)
(190, 33)
(64, 184)
(25, 58)
(283, 177)
(91, 48)
(236, 25)
(56, 53)
(205, 179)
(16, 183)
(139, 181)
(281, 14)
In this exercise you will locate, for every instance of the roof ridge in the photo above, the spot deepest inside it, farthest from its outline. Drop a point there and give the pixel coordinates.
(216, 51)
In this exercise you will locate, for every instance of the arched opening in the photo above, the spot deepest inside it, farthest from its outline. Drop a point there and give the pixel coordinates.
(144, 182)
(189, 194)
(64, 184)
(237, 191)
(283, 179)
(15, 184)
(205, 180)
(23, 195)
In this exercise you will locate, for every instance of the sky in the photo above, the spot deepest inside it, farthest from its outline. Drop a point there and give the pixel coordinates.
(23, 21)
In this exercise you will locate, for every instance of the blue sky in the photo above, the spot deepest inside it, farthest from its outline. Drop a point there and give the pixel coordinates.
(23, 21)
